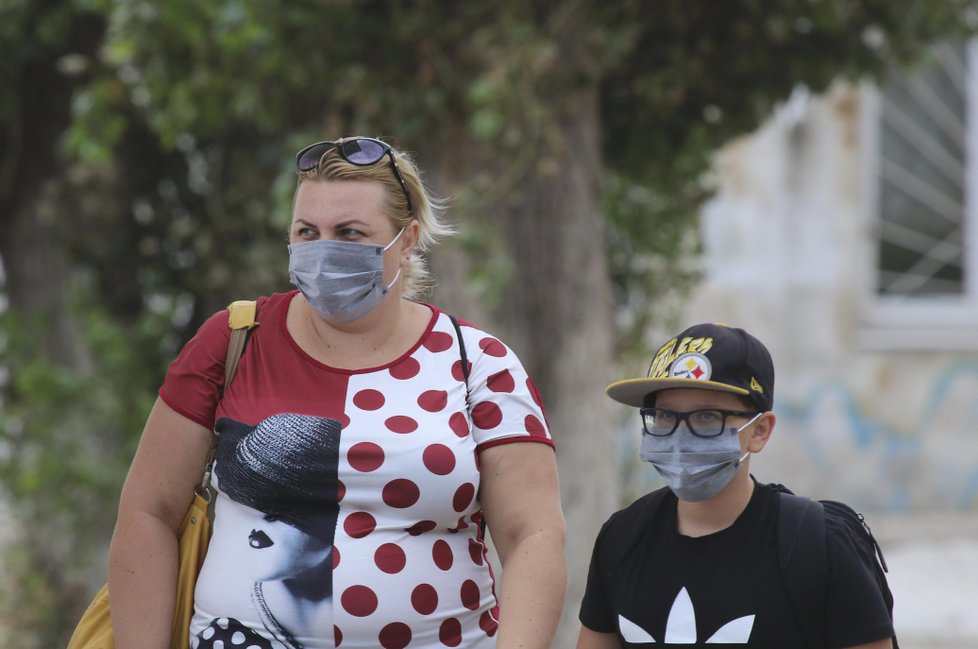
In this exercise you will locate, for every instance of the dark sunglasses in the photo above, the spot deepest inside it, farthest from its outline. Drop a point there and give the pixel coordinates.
(360, 151)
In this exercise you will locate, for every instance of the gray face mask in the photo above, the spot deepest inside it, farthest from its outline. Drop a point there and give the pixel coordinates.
(695, 468)
(341, 280)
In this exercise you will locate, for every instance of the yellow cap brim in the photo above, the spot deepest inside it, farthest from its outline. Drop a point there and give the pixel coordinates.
(632, 392)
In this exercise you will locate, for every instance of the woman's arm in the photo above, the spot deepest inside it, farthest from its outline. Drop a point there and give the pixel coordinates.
(169, 463)
(521, 501)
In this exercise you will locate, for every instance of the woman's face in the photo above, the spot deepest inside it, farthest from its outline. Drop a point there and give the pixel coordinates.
(349, 210)
(344, 210)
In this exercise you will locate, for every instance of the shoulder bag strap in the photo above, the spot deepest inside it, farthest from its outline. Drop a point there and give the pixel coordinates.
(241, 320)
(461, 349)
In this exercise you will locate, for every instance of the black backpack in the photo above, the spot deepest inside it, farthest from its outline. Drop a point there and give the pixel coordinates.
(802, 553)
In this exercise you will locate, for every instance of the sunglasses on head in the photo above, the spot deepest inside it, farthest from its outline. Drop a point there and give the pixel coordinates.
(360, 151)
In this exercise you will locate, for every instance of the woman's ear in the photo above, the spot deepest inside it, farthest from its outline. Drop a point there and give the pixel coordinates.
(409, 240)
(761, 432)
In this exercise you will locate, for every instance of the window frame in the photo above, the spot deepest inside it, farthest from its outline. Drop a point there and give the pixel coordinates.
(891, 322)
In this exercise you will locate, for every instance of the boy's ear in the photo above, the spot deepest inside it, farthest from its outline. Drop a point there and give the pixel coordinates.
(761, 433)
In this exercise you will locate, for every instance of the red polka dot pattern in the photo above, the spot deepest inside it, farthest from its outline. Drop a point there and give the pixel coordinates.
(441, 554)
(534, 426)
(438, 341)
(457, 373)
(406, 369)
(476, 552)
(400, 493)
(390, 558)
(359, 524)
(424, 599)
(421, 527)
(359, 601)
(365, 456)
(470, 595)
(488, 624)
(450, 632)
(433, 400)
(401, 424)
(395, 635)
(368, 400)
(501, 381)
(459, 424)
(439, 459)
(409, 567)
(531, 386)
(492, 347)
(463, 497)
(487, 415)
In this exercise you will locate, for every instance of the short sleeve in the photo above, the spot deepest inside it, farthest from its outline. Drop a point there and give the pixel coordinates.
(856, 612)
(504, 404)
(195, 379)
(596, 613)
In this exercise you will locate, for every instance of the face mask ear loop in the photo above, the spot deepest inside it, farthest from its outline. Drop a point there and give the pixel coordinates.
(396, 276)
(394, 240)
(398, 273)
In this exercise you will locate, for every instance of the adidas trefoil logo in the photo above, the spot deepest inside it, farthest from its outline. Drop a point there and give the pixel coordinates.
(681, 626)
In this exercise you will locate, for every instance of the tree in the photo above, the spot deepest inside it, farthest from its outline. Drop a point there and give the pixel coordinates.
(572, 136)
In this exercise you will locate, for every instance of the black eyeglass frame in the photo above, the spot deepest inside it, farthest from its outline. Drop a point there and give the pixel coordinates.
(341, 146)
(684, 416)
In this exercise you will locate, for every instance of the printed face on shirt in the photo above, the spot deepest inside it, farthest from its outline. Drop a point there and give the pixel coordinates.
(272, 549)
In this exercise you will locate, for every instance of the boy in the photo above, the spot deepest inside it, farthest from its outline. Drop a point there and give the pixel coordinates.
(697, 563)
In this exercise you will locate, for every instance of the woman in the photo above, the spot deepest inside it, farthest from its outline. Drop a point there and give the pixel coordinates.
(424, 451)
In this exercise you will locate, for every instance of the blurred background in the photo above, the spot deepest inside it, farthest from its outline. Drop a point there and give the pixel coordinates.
(804, 169)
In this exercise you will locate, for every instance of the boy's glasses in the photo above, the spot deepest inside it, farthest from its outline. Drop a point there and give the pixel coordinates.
(708, 422)
(360, 151)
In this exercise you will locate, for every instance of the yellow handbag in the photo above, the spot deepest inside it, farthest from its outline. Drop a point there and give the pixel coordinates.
(94, 630)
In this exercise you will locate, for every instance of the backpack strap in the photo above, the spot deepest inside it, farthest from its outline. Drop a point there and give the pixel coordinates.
(804, 562)
(241, 320)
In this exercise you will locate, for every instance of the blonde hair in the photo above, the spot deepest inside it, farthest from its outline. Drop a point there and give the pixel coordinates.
(426, 208)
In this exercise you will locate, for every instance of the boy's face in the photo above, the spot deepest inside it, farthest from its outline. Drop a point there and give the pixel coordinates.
(689, 399)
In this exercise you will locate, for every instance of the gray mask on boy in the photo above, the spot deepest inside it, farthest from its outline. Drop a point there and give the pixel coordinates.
(695, 468)
(341, 280)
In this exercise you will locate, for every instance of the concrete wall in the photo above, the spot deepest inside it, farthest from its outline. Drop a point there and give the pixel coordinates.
(788, 243)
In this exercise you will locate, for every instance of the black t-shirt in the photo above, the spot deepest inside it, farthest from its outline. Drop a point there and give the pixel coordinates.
(721, 590)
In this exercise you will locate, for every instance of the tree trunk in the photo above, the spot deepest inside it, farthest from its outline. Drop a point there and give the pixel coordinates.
(555, 312)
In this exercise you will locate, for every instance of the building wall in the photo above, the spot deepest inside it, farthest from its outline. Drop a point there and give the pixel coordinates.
(789, 255)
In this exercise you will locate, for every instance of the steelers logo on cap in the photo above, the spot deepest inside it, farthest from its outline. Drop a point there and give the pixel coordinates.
(691, 366)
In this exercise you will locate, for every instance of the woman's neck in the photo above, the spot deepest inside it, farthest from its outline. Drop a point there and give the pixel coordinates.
(378, 338)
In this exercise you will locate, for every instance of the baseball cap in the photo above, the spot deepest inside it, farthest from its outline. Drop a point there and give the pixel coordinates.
(708, 357)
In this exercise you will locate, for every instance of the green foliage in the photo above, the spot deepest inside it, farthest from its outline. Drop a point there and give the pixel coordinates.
(66, 438)
(176, 170)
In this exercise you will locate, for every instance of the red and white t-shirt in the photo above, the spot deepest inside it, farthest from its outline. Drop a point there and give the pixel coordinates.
(347, 511)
